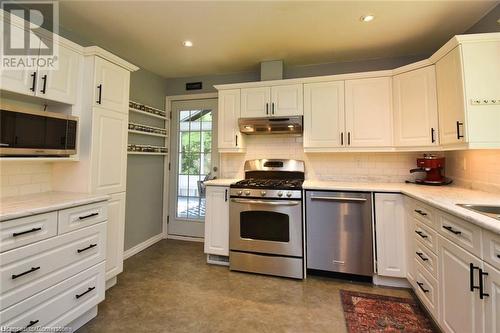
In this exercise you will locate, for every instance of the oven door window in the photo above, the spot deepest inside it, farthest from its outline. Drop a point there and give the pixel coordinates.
(265, 225)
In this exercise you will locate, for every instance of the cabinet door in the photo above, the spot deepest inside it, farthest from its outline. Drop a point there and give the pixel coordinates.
(19, 81)
(409, 240)
(61, 84)
(492, 302)
(324, 121)
(389, 222)
(229, 136)
(111, 86)
(451, 100)
(415, 108)
(109, 151)
(460, 308)
(217, 221)
(369, 112)
(115, 235)
(287, 100)
(255, 102)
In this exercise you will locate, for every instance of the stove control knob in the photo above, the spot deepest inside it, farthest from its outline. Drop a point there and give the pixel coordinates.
(263, 193)
(247, 192)
(289, 194)
(280, 194)
(240, 192)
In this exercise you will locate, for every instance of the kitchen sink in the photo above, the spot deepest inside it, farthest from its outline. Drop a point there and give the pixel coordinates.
(491, 211)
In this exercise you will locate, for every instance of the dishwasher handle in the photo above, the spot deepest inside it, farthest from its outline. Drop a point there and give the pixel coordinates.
(338, 198)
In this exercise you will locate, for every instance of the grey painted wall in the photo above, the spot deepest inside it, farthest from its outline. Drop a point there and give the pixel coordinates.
(177, 86)
(488, 23)
(144, 203)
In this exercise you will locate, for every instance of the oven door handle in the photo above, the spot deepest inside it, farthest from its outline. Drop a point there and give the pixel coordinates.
(338, 199)
(264, 202)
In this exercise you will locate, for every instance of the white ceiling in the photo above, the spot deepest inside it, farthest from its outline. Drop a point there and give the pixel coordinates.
(234, 36)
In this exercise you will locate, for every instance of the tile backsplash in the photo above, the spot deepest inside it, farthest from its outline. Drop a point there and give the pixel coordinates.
(360, 167)
(475, 169)
(18, 178)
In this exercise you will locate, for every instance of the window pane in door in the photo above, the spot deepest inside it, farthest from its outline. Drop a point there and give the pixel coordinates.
(195, 142)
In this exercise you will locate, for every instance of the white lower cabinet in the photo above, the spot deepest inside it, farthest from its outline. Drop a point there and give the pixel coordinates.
(492, 301)
(217, 221)
(115, 235)
(461, 309)
(389, 222)
(59, 279)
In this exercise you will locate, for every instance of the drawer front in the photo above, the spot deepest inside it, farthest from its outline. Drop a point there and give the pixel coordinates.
(426, 289)
(82, 216)
(426, 235)
(425, 214)
(491, 248)
(460, 232)
(27, 230)
(59, 304)
(32, 268)
(426, 258)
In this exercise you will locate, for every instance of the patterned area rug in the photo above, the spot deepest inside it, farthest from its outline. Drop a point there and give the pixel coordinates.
(377, 313)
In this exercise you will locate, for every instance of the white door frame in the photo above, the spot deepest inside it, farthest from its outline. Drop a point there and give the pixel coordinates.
(166, 176)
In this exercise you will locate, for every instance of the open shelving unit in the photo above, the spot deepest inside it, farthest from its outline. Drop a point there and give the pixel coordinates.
(148, 130)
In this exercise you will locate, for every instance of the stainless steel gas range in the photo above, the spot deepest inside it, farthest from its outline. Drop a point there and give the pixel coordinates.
(265, 221)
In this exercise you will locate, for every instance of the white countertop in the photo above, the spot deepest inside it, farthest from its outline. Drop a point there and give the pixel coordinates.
(220, 182)
(31, 204)
(442, 197)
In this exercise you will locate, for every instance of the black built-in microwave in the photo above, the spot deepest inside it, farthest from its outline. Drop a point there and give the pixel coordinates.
(37, 133)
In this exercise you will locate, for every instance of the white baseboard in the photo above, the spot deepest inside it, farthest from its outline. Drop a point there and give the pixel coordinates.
(186, 238)
(111, 282)
(82, 320)
(142, 246)
(391, 281)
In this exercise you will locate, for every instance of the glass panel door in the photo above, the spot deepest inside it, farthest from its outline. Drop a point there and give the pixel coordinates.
(193, 151)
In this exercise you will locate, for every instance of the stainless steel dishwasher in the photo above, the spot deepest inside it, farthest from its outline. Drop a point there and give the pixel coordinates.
(339, 232)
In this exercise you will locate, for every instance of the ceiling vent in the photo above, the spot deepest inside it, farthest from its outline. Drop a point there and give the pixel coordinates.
(271, 70)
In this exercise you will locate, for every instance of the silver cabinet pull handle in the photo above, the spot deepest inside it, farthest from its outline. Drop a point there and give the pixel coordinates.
(263, 202)
(338, 199)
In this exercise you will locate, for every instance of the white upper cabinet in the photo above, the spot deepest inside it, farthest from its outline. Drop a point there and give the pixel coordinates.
(390, 239)
(324, 117)
(451, 103)
(468, 78)
(255, 102)
(61, 84)
(109, 151)
(229, 136)
(217, 221)
(415, 108)
(285, 100)
(368, 104)
(111, 86)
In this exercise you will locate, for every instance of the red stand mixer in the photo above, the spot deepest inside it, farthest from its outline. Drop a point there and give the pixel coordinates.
(432, 166)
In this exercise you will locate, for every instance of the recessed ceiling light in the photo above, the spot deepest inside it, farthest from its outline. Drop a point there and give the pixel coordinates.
(187, 43)
(367, 18)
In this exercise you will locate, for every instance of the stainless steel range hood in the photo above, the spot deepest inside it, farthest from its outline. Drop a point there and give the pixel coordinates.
(273, 125)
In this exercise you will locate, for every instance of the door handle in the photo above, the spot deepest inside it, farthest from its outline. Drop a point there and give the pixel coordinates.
(339, 199)
(421, 286)
(15, 234)
(272, 108)
(44, 87)
(421, 234)
(85, 292)
(482, 294)
(87, 216)
(86, 248)
(33, 269)
(99, 99)
(267, 108)
(450, 229)
(236, 140)
(225, 195)
(263, 202)
(459, 136)
(348, 138)
(342, 138)
(421, 255)
(33, 84)
(432, 135)
(471, 277)
(32, 322)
